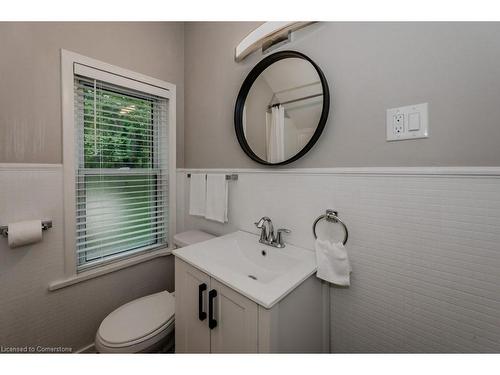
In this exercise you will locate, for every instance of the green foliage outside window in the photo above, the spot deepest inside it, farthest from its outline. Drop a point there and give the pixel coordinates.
(121, 134)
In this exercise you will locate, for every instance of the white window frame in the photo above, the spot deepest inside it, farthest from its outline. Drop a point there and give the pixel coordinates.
(130, 79)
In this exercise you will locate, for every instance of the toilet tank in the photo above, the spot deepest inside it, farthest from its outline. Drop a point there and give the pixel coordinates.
(191, 237)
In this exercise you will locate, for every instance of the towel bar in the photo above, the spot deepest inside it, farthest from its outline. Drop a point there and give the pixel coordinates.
(4, 229)
(330, 216)
(231, 177)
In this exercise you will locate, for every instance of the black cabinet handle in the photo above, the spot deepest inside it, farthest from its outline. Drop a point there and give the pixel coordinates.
(202, 315)
(212, 323)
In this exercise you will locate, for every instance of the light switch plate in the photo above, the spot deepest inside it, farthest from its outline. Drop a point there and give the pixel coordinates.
(408, 122)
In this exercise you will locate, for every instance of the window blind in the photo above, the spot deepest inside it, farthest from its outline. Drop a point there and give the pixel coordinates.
(121, 173)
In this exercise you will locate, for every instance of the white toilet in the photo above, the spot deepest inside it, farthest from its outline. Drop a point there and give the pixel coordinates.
(145, 324)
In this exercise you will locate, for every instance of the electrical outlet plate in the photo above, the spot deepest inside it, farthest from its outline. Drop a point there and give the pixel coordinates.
(409, 122)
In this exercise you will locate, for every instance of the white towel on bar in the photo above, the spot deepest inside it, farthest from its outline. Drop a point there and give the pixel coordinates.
(333, 262)
(217, 194)
(197, 194)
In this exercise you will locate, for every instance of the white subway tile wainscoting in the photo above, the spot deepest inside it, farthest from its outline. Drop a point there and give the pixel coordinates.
(424, 244)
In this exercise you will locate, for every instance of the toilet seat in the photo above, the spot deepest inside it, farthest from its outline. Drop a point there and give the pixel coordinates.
(137, 325)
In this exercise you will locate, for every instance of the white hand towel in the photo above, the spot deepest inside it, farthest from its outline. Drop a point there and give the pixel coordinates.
(333, 262)
(217, 194)
(197, 194)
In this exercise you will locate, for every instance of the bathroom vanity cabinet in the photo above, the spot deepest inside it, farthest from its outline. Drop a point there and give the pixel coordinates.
(211, 317)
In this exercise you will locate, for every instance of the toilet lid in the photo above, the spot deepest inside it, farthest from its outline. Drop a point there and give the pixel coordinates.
(138, 318)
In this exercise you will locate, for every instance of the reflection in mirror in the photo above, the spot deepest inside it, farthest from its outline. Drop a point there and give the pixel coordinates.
(283, 109)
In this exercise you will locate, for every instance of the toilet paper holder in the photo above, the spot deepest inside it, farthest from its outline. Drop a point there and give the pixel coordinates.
(4, 229)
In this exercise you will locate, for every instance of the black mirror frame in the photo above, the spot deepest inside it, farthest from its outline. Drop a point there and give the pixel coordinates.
(242, 96)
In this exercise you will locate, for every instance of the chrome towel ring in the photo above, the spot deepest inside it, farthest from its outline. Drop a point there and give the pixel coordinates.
(330, 216)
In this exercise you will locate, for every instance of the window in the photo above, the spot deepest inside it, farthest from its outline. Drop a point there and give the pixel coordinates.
(120, 190)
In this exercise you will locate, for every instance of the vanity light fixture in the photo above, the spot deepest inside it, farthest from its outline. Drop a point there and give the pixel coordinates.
(266, 36)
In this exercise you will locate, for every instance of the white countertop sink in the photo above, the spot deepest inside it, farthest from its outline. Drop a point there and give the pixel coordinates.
(262, 273)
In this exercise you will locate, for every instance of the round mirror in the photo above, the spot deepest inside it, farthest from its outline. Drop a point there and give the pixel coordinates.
(281, 108)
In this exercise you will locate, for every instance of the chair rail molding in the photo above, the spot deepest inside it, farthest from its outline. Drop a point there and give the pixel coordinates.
(380, 171)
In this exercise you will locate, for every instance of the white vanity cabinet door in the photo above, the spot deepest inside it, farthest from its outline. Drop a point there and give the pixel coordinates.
(237, 322)
(191, 334)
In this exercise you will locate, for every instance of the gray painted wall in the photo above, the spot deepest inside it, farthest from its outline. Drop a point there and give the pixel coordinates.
(370, 67)
(30, 77)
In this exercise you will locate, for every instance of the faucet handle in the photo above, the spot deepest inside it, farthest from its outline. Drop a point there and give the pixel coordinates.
(279, 237)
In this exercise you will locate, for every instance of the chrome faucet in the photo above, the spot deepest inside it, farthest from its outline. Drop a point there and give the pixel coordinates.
(267, 235)
(266, 230)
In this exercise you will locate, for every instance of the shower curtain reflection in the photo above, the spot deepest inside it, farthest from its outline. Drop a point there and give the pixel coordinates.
(275, 134)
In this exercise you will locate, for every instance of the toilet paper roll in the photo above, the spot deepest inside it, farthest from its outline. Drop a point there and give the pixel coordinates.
(25, 233)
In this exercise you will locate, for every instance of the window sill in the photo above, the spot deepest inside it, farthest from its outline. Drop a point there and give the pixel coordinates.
(105, 269)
